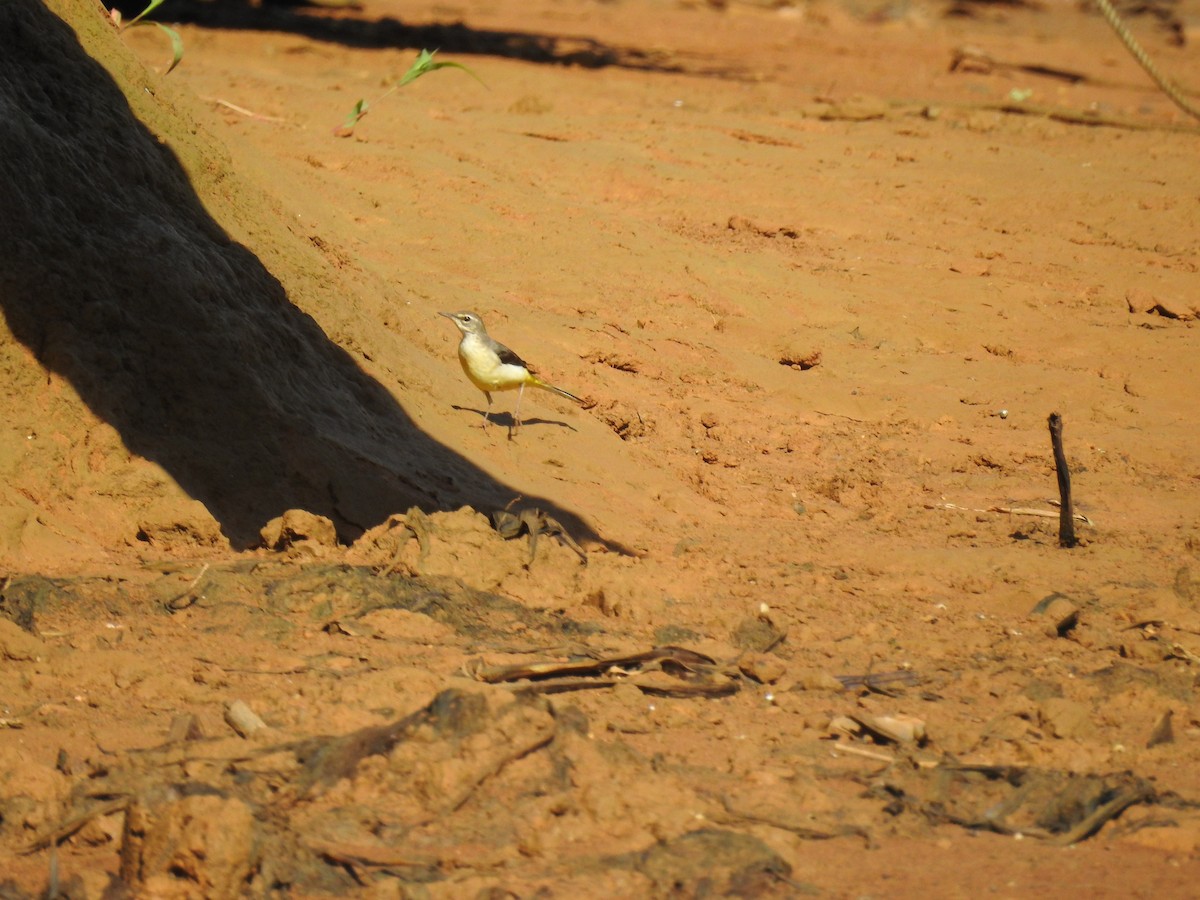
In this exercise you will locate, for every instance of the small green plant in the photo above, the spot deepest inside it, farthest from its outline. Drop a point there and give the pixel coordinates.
(176, 40)
(423, 64)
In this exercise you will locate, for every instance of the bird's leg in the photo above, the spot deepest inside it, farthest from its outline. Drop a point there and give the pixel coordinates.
(487, 412)
(517, 411)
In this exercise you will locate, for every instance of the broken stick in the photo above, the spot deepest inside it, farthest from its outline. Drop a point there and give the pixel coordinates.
(1066, 518)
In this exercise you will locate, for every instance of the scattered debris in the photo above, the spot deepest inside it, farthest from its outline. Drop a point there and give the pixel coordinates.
(713, 862)
(801, 358)
(744, 223)
(892, 729)
(189, 595)
(1061, 613)
(1014, 511)
(858, 108)
(298, 529)
(1057, 806)
(898, 729)
(1065, 719)
(72, 824)
(973, 59)
(759, 633)
(193, 835)
(880, 682)
(669, 671)
(17, 644)
(1141, 300)
(765, 668)
(618, 361)
(242, 111)
(184, 727)
(417, 524)
(533, 522)
(242, 719)
(1162, 732)
(1066, 520)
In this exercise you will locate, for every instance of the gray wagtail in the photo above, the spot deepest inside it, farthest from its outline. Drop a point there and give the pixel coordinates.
(493, 367)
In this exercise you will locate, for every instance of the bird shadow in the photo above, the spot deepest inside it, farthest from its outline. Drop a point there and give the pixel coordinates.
(507, 420)
(117, 280)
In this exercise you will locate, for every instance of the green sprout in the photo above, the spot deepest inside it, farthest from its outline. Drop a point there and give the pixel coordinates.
(176, 40)
(423, 64)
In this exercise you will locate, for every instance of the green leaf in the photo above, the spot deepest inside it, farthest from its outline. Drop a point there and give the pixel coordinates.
(176, 40)
(154, 4)
(347, 128)
(423, 64)
(176, 45)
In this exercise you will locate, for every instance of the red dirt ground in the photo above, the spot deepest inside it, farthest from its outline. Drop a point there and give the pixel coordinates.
(819, 288)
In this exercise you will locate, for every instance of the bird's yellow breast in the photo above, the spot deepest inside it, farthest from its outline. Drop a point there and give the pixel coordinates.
(485, 370)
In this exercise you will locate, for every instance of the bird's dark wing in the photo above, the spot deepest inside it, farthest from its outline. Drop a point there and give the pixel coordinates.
(508, 357)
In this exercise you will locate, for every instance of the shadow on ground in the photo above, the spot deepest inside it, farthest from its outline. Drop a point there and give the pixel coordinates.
(115, 277)
(351, 28)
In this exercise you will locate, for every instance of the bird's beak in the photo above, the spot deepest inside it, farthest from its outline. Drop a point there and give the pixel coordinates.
(447, 315)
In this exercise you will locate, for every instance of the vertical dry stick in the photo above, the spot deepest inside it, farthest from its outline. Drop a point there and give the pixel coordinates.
(1066, 513)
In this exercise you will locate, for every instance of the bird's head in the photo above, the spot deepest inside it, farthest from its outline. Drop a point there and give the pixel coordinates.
(467, 322)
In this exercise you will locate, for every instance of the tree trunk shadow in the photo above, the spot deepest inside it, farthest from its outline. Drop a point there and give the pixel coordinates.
(116, 277)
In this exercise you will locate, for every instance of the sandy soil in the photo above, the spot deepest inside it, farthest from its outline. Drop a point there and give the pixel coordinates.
(819, 288)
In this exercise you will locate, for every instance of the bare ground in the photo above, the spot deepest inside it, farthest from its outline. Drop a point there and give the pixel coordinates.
(820, 289)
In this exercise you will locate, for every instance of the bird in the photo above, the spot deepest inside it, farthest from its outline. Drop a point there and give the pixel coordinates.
(491, 366)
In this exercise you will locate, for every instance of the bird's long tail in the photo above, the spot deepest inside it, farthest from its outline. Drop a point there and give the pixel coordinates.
(538, 383)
